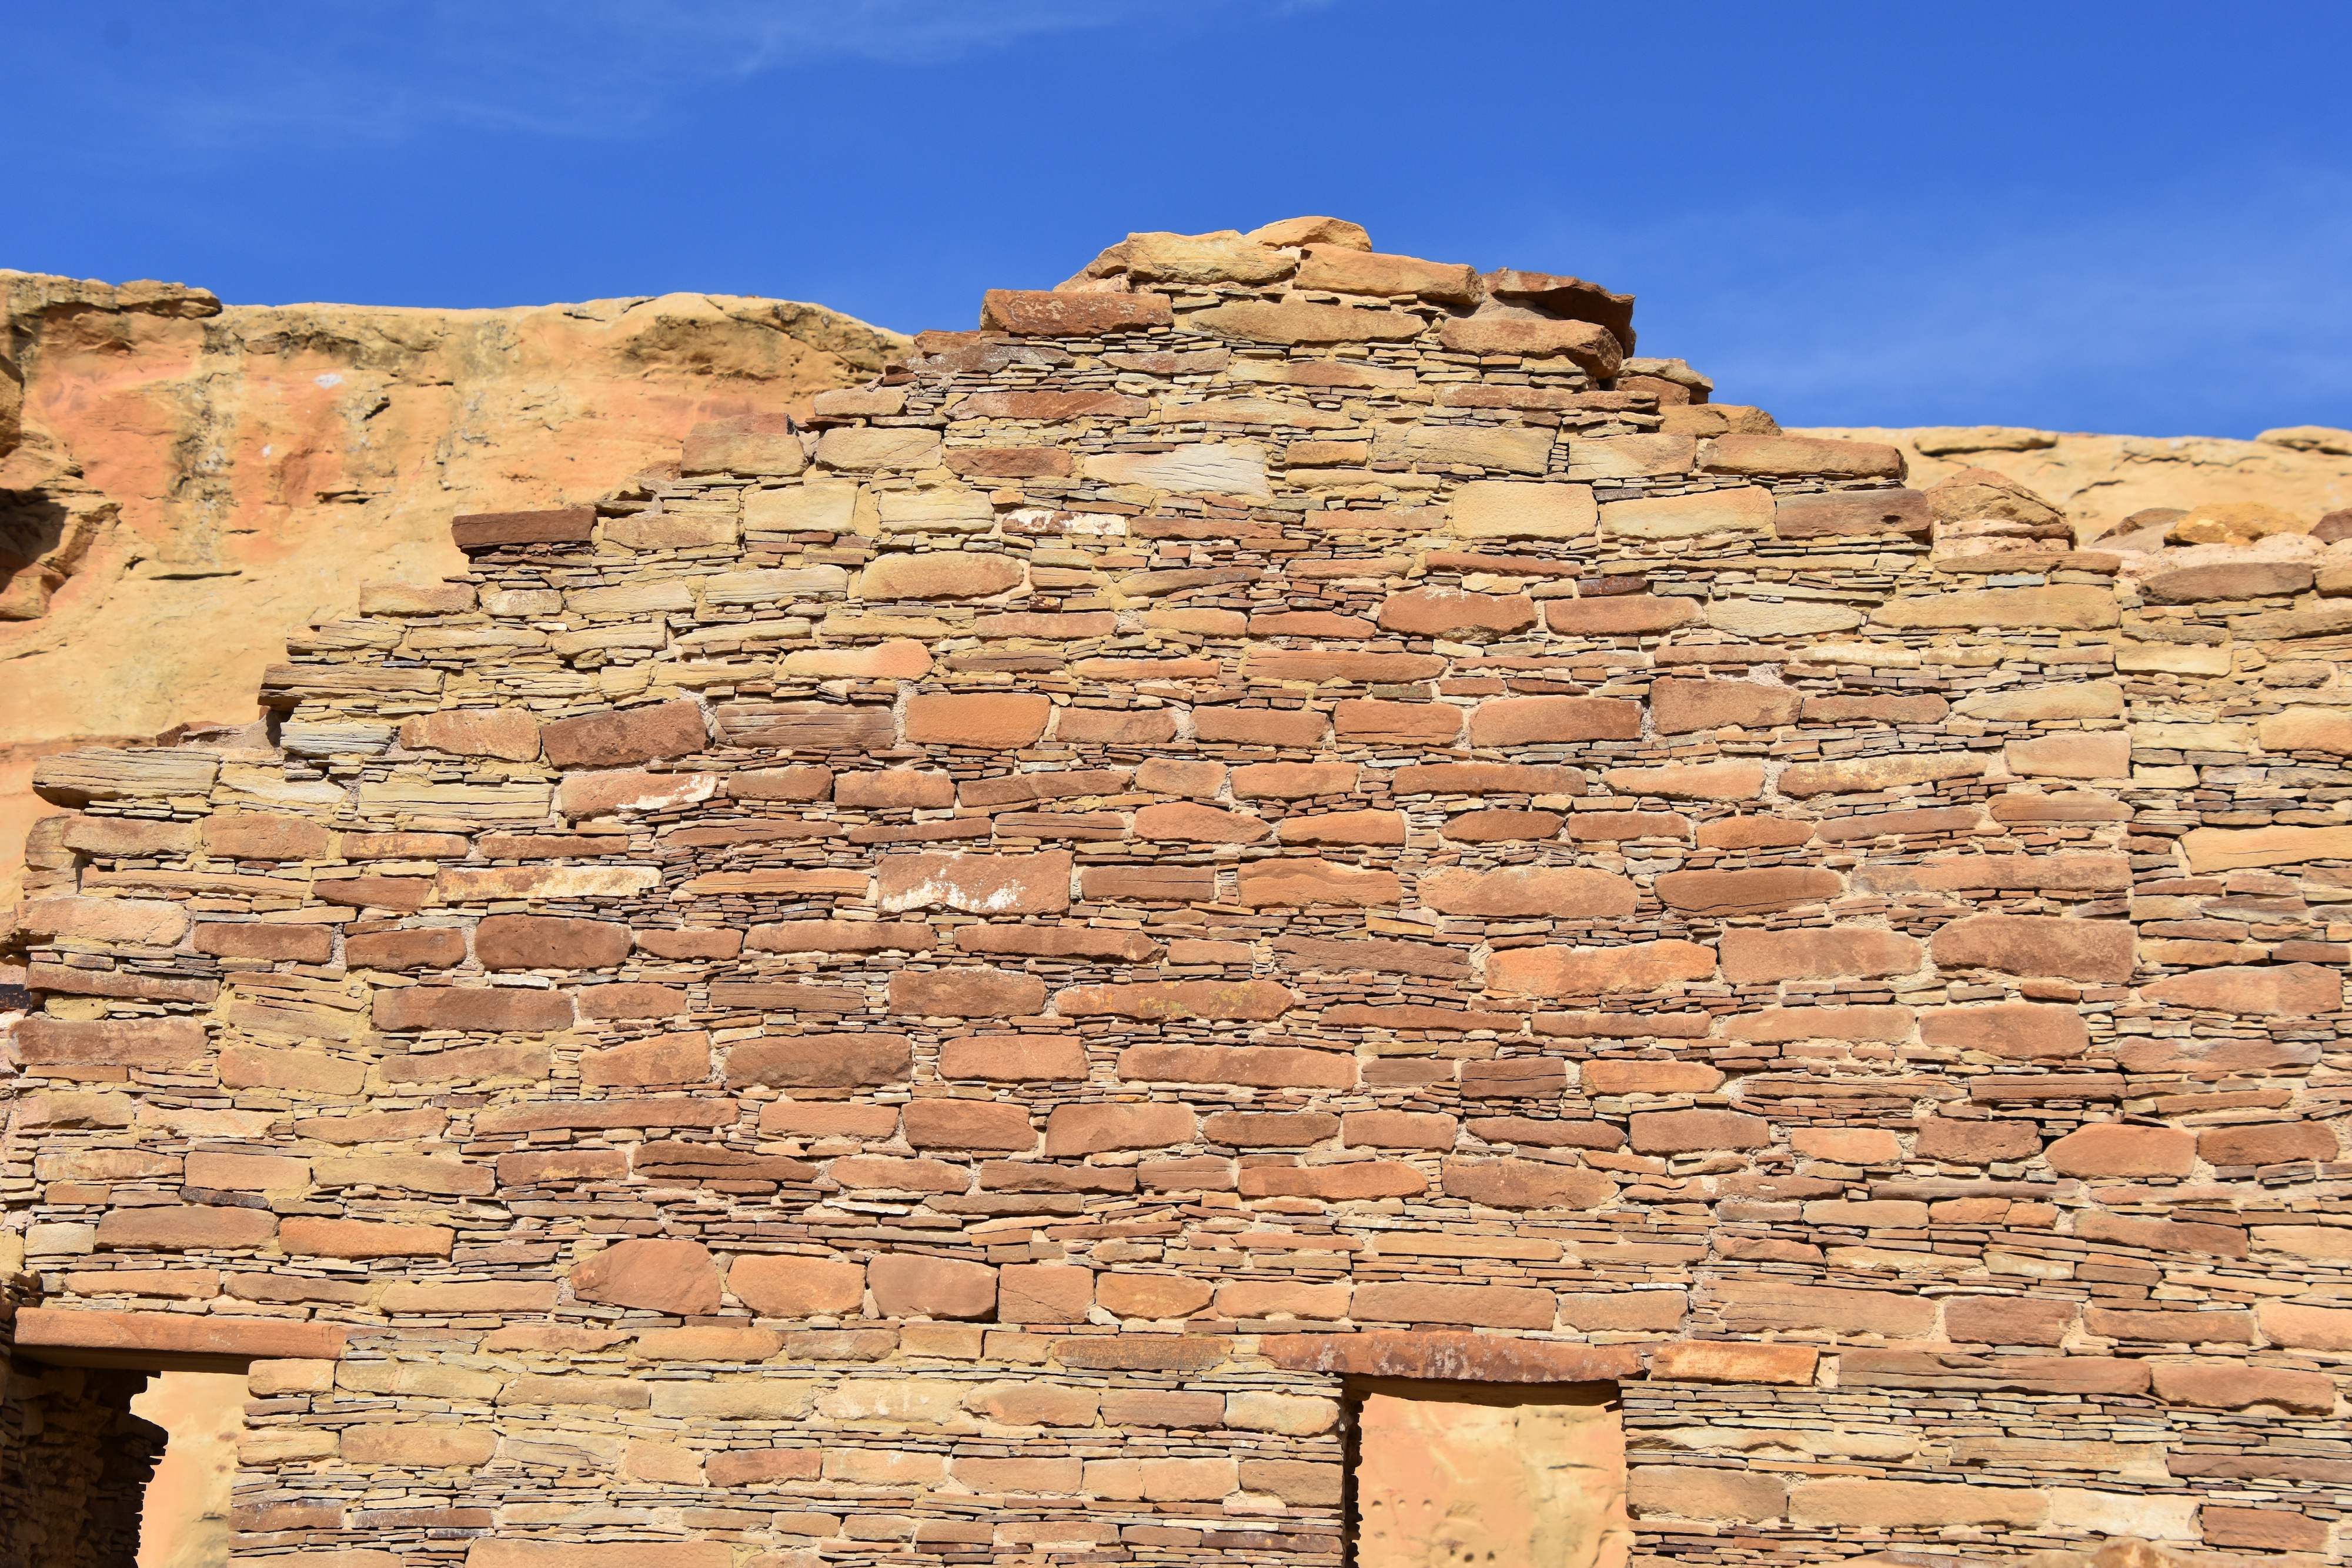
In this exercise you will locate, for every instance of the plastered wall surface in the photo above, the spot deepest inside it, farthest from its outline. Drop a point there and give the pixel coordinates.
(938, 985)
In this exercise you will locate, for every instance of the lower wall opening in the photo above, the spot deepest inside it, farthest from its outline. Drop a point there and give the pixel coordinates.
(1482, 1475)
(113, 1467)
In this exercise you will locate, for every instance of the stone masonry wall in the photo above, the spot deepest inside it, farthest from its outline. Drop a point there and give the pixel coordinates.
(937, 987)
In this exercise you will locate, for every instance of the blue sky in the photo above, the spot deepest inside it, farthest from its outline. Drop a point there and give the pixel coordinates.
(2129, 218)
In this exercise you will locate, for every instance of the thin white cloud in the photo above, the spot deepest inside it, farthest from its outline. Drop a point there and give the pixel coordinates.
(379, 70)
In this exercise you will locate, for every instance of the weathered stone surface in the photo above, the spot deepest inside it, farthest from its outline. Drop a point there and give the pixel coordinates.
(2066, 608)
(2037, 945)
(1751, 957)
(1747, 509)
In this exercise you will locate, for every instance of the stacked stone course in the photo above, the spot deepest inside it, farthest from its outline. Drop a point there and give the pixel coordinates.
(946, 984)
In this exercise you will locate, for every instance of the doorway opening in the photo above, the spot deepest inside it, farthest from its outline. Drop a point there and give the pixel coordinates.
(109, 1465)
(1485, 1475)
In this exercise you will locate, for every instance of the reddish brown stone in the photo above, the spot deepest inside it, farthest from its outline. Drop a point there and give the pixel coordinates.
(1485, 778)
(1754, 957)
(2037, 945)
(1683, 1132)
(1452, 613)
(1260, 726)
(545, 942)
(968, 1125)
(664, 1060)
(2262, 1529)
(2007, 1320)
(1802, 454)
(1538, 721)
(966, 993)
(1682, 706)
(2266, 1143)
(1009, 462)
(995, 721)
(829, 936)
(1722, 893)
(2286, 989)
(174, 1227)
(178, 1333)
(1057, 942)
(406, 893)
(893, 788)
(1401, 724)
(1590, 971)
(1293, 781)
(253, 939)
(2115, 1149)
(820, 1061)
(1038, 313)
(1078, 1130)
(640, 1001)
(509, 733)
(1149, 884)
(1499, 826)
(503, 1010)
(1320, 665)
(2018, 1030)
(626, 736)
(1526, 1184)
(1305, 884)
(251, 836)
(1563, 892)
(475, 532)
(981, 883)
(1366, 1178)
(1044, 1293)
(1618, 615)
(792, 1286)
(906, 1286)
(2232, 1386)
(1115, 727)
(1184, 822)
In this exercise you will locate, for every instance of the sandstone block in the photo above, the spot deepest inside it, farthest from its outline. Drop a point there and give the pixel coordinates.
(2101, 756)
(1752, 956)
(2266, 1143)
(2114, 1149)
(1513, 508)
(2233, 1386)
(1526, 1184)
(417, 1447)
(662, 1061)
(543, 942)
(1723, 892)
(1682, 1491)
(2306, 1328)
(1305, 884)
(2037, 945)
(993, 721)
(2067, 607)
(968, 1125)
(1568, 892)
(1572, 972)
(1044, 1293)
(2019, 1030)
(966, 993)
(906, 1285)
(1684, 1132)
(1745, 511)
(509, 733)
(1592, 349)
(1155, 1296)
(1078, 1130)
(623, 736)
(977, 883)
(2231, 848)
(1474, 1306)
(1184, 822)
(1691, 781)
(1618, 615)
(796, 1287)
(1538, 721)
